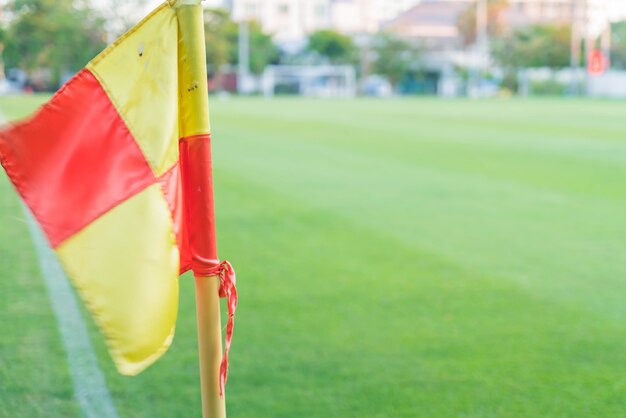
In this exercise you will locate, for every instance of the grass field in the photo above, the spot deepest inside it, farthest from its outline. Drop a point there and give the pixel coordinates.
(402, 258)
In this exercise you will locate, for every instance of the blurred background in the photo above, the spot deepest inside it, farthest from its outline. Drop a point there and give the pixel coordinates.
(424, 202)
(382, 48)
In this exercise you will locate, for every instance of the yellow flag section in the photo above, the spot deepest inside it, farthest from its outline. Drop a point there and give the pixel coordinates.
(125, 264)
(139, 72)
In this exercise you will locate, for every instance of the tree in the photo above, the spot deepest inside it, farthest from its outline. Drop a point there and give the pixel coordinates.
(618, 45)
(217, 24)
(336, 47)
(54, 35)
(535, 46)
(467, 20)
(262, 49)
(222, 43)
(2, 42)
(394, 57)
(120, 15)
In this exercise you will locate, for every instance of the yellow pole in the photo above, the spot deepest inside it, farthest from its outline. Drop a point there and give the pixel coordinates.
(194, 120)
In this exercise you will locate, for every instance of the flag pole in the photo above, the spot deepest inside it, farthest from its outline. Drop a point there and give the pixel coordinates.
(209, 345)
(197, 179)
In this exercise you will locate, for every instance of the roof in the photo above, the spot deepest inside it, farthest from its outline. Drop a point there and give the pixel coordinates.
(432, 19)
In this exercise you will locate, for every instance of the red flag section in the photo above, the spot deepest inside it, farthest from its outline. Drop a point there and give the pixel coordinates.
(74, 160)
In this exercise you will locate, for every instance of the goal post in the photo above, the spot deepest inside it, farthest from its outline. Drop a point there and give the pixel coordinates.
(311, 81)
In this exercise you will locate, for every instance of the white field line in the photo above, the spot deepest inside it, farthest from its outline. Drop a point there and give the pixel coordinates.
(90, 389)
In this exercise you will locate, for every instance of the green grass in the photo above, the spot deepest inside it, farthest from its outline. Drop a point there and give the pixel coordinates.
(395, 258)
(34, 379)
(16, 107)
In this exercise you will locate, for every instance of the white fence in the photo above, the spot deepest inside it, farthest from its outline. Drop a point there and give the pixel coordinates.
(611, 84)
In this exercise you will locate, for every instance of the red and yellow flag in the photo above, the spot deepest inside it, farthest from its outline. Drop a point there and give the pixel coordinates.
(116, 168)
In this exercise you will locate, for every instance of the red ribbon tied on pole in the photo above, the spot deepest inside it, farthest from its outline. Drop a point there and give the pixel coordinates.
(227, 290)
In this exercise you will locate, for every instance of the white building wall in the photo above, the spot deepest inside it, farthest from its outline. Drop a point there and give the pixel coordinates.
(292, 20)
(286, 20)
(359, 16)
(350, 16)
(386, 10)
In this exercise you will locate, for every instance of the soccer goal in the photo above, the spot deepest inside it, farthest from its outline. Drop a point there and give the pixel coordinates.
(313, 81)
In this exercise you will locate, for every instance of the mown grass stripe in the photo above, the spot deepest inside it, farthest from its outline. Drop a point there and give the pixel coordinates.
(90, 387)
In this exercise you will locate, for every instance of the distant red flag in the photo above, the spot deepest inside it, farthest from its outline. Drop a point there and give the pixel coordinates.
(597, 62)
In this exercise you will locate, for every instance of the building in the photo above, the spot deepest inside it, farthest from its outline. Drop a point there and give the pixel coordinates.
(293, 20)
(539, 11)
(286, 20)
(596, 13)
(387, 10)
(432, 24)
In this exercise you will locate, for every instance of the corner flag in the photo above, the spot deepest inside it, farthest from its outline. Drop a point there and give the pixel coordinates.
(116, 168)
